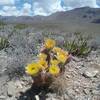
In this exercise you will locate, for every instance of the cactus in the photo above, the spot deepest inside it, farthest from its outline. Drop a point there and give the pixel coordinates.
(50, 64)
(3, 43)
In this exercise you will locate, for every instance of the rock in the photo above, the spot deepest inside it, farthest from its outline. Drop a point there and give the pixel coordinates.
(51, 97)
(15, 87)
(98, 87)
(3, 84)
(11, 98)
(65, 97)
(95, 92)
(11, 89)
(2, 97)
(75, 58)
(37, 97)
(3, 61)
(18, 84)
(91, 72)
(86, 91)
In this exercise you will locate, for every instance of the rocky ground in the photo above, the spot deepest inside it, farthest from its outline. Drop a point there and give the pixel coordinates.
(81, 80)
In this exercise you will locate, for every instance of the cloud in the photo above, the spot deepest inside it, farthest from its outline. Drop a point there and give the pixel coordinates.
(46, 7)
(13, 11)
(41, 7)
(71, 4)
(26, 10)
(7, 2)
(9, 11)
(8, 8)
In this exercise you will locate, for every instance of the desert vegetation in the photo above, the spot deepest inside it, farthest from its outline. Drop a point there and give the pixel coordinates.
(51, 64)
(47, 64)
(4, 43)
(20, 26)
(78, 45)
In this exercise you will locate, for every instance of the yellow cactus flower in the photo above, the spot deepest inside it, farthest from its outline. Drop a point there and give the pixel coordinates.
(54, 62)
(54, 70)
(43, 64)
(56, 49)
(59, 50)
(42, 56)
(64, 52)
(49, 43)
(32, 69)
(62, 58)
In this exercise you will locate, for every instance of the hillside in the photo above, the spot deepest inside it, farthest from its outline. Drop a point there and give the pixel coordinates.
(84, 14)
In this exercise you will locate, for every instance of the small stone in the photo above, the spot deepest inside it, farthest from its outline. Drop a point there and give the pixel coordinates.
(52, 98)
(65, 97)
(68, 76)
(78, 67)
(86, 91)
(11, 89)
(18, 84)
(37, 97)
(91, 72)
(55, 99)
(11, 98)
(4, 69)
(77, 90)
(75, 58)
(98, 87)
(2, 97)
(95, 92)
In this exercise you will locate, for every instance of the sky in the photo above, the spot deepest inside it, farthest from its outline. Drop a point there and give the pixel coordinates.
(42, 7)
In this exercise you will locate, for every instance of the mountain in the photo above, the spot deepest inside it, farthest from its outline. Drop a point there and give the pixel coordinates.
(83, 19)
(84, 14)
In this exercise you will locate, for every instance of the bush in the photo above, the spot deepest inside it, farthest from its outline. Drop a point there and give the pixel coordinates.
(20, 26)
(3, 43)
(78, 45)
(2, 23)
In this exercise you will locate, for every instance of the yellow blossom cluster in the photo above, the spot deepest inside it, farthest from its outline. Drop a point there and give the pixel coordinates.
(49, 60)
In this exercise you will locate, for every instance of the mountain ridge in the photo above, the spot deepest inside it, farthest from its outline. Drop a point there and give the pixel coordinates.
(83, 14)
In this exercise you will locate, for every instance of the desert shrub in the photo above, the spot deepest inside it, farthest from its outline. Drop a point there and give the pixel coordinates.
(20, 26)
(14, 73)
(85, 16)
(51, 34)
(3, 43)
(96, 21)
(48, 34)
(2, 23)
(78, 44)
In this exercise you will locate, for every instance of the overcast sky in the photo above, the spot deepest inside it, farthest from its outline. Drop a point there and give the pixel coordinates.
(42, 7)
